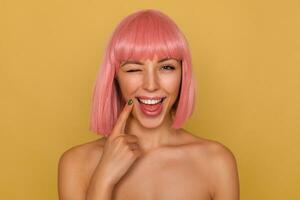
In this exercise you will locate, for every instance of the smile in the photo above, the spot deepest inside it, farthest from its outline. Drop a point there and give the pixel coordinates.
(152, 101)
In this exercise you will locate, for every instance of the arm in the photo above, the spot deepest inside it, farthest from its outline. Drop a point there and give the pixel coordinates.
(98, 189)
(71, 179)
(225, 174)
(70, 186)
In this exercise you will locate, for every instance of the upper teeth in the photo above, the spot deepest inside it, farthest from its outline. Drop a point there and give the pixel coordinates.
(148, 101)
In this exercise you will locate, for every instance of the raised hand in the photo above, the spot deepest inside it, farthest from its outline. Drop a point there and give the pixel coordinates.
(120, 149)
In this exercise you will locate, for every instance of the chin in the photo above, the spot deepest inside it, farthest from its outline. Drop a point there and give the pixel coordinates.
(149, 122)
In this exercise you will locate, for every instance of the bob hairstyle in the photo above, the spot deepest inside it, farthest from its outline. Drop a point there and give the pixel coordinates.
(141, 35)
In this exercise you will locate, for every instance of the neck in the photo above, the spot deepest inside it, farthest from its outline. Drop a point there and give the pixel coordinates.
(151, 138)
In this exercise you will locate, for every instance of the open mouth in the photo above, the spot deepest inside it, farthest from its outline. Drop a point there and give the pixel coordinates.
(150, 102)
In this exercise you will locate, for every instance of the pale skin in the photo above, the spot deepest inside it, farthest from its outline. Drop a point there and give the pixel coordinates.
(144, 158)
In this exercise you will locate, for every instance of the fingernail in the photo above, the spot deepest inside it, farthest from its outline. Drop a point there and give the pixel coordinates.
(130, 101)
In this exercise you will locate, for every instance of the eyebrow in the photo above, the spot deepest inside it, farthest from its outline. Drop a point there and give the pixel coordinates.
(139, 63)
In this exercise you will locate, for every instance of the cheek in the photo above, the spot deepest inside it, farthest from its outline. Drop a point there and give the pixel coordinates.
(171, 84)
(129, 85)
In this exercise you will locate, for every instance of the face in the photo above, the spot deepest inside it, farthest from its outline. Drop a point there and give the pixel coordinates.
(154, 86)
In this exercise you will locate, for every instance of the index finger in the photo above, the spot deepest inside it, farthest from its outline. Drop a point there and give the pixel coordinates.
(121, 121)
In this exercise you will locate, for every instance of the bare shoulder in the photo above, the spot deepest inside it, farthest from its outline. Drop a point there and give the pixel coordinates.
(85, 149)
(212, 149)
(215, 150)
(221, 169)
(76, 166)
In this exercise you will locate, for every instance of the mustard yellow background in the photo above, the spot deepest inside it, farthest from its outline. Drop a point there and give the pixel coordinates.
(246, 57)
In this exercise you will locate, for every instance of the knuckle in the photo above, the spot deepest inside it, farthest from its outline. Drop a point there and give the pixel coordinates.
(124, 142)
(131, 147)
(119, 138)
(128, 149)
(134, 147)
(136, 153)
(122, 136)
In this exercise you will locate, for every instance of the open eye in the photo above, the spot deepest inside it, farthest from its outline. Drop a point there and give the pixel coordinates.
(169, 67)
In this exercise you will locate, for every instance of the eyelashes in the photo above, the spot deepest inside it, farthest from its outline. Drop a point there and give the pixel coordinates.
(170, 67)
(133, 70)
(167, 67)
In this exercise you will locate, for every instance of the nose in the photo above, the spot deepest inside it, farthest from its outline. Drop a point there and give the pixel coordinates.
(151, 82)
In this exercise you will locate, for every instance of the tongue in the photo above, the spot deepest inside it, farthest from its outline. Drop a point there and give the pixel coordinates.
(151, 110)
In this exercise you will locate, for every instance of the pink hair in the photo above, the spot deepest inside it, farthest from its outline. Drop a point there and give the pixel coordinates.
(141, 35)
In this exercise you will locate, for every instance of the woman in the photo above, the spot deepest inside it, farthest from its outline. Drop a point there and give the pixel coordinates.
(144, 153)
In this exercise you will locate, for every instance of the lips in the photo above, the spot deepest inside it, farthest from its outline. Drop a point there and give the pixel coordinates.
(151, 110)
